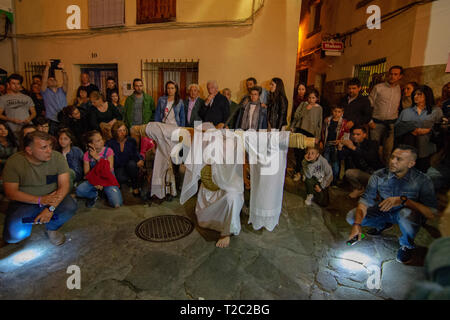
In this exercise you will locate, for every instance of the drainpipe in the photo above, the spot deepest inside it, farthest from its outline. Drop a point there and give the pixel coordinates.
(15, 52)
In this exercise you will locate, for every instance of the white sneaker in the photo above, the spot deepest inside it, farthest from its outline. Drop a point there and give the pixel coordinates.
(308, 200)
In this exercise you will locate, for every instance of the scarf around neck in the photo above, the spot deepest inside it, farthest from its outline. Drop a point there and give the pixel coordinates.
(246, 117)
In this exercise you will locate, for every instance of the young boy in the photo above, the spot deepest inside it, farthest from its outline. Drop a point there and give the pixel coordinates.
(334, 130)
(42, 124)
(317, 175)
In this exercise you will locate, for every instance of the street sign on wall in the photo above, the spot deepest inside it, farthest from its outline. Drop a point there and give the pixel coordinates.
(332, 48)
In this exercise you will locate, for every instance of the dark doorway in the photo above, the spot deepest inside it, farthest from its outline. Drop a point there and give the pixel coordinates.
(99, 73)
(303, 77)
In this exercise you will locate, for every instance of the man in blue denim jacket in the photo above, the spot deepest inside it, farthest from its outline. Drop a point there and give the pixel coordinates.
(399, 195)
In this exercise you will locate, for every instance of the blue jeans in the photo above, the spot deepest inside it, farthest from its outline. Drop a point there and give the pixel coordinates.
(15, 231)
(87, 190)
(408, 221)
(331, 154)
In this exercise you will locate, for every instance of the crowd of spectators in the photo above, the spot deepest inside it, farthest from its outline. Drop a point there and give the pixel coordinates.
(367, 140)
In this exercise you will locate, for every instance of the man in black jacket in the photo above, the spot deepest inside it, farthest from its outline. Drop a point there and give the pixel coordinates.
(357, 108)
(216, 108)
(361, 160)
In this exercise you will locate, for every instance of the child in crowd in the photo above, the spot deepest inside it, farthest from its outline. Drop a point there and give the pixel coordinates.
(26, 129)
(96, 152)
(82, 100)
(115, 100)
(308, 121)
(318, 176)
(334, 130)
(73, 155)
(76, 120)
(42, 124)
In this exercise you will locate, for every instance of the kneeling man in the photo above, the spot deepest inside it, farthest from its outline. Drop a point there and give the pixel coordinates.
(399, 194)
(36, 181)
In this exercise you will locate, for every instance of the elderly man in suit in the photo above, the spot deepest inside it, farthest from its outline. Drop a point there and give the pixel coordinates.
(216, 108)
(192, 105)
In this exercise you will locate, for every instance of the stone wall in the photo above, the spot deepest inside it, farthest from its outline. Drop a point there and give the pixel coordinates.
(433, 76)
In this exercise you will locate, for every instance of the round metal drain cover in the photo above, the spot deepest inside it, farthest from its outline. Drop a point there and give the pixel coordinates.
(164, 228)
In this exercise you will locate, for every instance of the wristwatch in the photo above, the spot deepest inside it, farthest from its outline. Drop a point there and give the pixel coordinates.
(404, 199)
(51, 208)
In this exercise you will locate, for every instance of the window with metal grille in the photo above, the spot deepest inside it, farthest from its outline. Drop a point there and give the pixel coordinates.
(156, 73)
(370, 74)
(32, 68)
(154, 11)
(106, 13)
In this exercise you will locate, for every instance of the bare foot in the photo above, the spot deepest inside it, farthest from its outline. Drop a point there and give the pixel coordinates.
(223, 242)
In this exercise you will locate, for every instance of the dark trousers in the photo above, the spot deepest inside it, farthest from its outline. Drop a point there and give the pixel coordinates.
(299, 155)
(357, 178)
(331, 153)
(321, 198)
(15, 231)
(423, 164)
(129, 172)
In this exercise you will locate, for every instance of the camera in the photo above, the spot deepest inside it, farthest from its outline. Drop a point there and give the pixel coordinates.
(55, 63)
(54, 66)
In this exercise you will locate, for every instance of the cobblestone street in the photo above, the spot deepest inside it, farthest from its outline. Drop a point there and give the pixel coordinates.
(304, 258)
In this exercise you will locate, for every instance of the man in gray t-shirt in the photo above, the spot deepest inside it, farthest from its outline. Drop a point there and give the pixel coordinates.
(16, 108)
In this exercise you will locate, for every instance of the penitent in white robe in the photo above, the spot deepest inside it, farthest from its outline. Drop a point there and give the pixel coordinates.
(220, 210)
(162, 134)
(217, 210)
(267, 178)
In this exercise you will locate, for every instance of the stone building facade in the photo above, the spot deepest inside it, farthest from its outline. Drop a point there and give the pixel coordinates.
(412, 35)
(231, 40)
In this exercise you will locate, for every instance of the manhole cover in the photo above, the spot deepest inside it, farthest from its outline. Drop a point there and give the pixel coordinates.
(164, 228)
